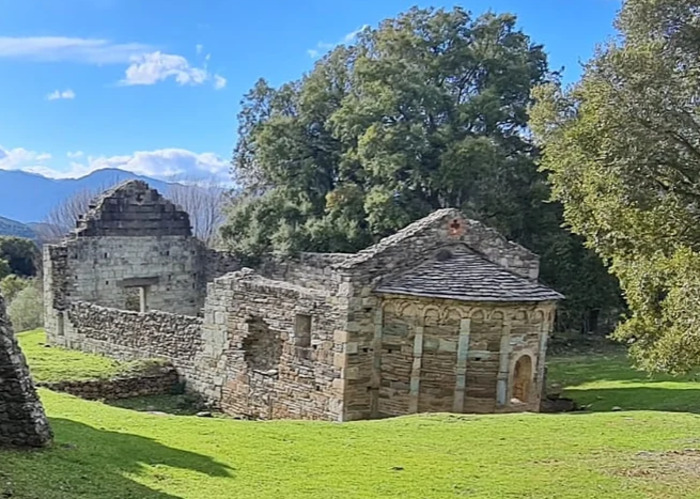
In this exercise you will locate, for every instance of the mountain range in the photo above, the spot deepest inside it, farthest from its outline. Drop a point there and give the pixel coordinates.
(27, 198)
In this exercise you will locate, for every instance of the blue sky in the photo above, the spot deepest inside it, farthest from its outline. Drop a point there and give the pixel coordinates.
(154, 86)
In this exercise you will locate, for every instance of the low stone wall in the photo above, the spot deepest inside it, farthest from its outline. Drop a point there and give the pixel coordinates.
(125, 335)
(164, 381)
(129, 335)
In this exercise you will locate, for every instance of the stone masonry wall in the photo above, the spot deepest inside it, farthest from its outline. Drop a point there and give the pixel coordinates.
(126, 335)
(98, 270)
(413, 364)
(363, 272)
(129, 335)
(133, 209)
(309, 270)
(161, 381)
(22, 419)
(272, 369)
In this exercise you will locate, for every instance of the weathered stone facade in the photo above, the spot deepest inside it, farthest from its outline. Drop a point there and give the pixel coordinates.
(445, 315)
(22, 419)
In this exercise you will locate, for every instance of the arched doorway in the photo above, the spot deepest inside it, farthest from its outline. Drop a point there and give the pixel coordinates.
(522, 379)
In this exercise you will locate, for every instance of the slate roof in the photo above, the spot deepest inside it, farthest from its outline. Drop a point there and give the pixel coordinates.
(406, 233)
(458, 273)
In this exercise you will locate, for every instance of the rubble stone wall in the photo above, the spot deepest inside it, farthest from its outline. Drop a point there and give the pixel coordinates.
(273, 366)
(138, 385)
(22, 419)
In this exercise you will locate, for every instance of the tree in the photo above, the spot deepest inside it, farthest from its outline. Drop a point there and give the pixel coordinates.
(429, 110)
(622, 150)
(11, 285)
(22, 255)
(204, 201)
(26, 310)
(64, 216)
(5, 269)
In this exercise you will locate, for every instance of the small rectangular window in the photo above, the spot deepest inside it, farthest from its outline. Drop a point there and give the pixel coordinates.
(302, 330)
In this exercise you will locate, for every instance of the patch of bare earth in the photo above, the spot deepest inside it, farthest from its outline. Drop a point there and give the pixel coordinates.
(669, 466)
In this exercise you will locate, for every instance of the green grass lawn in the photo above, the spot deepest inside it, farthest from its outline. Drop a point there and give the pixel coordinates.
(50, 364)
(110, 452)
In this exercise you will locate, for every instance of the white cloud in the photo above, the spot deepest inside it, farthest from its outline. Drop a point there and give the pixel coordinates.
(57, 94)
(69, 49)
(148, 69)
(164, 164)
(75, 154)
(323, 47)
(146, 65)
(19, 158)
(219, 82)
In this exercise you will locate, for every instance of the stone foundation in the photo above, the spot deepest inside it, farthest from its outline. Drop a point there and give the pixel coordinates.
(162, 382)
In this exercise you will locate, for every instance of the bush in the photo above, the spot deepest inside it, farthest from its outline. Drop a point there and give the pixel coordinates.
(11, 285)
(26, 310)
(5, 269)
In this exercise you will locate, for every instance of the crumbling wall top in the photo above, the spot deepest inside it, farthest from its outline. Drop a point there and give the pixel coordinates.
(132, 208)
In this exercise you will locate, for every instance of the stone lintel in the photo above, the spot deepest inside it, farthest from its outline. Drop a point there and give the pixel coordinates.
(136, 282)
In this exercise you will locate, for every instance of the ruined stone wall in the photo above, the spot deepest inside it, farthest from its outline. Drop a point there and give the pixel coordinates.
(272, 369)
(126, 335)
(427, 355)
(98, 270)
(309, 270)
(129, 335)
(245, 355)
(162, 380)
(22, 419)
(217, 263)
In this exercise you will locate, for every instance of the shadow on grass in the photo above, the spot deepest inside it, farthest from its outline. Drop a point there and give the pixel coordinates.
(87, 462)
(637, 399)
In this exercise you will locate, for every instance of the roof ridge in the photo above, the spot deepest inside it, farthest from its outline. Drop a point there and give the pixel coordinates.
(466, 277)
(399, 236)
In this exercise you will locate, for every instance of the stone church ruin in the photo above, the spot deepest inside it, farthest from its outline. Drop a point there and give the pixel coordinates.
(444, 315)
(22, 419)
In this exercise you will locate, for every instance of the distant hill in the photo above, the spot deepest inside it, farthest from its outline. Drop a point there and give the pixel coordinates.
(14, 228)
(29, 197)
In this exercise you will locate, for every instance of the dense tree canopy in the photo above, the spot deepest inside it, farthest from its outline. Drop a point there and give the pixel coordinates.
(21, 255)
(429, 110)
(622, 149)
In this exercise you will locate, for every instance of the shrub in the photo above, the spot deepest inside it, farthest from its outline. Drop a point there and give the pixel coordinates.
(26, 310)
(11, 285)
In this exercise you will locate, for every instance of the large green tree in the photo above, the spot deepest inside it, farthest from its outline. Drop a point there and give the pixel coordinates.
(622, 148)
(428, 110)
(20, 254)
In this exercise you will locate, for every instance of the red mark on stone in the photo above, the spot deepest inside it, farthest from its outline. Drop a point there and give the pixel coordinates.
(456, 228)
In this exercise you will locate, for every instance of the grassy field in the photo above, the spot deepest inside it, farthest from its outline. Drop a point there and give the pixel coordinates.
(50, 364)
(644, 450)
